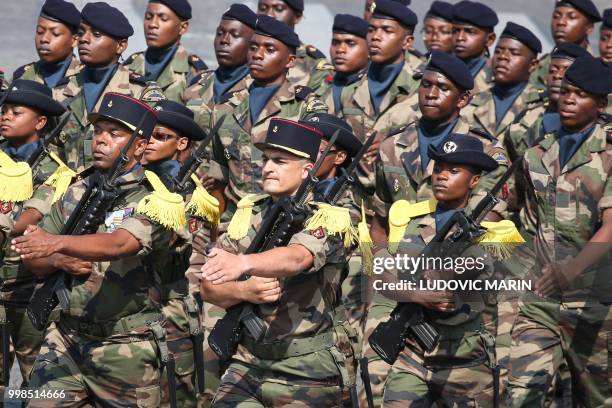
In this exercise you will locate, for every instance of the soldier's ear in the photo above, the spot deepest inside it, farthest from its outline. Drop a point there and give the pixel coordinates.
(184, 27)
(408, 41)
(41, 122)
(474, 180)
(182, 144)
(491, 39)
(589, 29)
(139, 147)
(464, 99)
(75, 40)
(534, 64)
(122, 45)
(291, 61)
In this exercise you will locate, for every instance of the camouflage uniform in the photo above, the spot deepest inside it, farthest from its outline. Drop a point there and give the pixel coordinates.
(481, 110)
(538, 77)
(484, 80)
(564, 209)
(31, 71)
(459, 371)
(176, 76)
(105, 350)
(17, 283)
(314, 369)
(236, 160)
(75, 138)
(325, 92)
(311, 67)
(415, 59)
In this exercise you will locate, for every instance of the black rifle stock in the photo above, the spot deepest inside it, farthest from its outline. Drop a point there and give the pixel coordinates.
(286, 217)
(43, 150)
(87, 216)
(387, 340)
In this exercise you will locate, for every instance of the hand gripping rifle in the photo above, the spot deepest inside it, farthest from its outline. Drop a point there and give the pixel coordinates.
(387, 340)
(87, 216)
(43, 150)
(285, 218)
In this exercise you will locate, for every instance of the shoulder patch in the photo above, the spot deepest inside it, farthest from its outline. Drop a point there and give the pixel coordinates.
(318, 233)
(137, 78)
(197, 78)
(18, 73)
(314, 52)
(316, 105)
(302, 92)
(324, 65)
(197, 62)
(131, 58)
(500, 158)
(153, 95)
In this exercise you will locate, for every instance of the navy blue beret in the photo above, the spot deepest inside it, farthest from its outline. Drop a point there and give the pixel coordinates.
(522, 34)
(441, 10)
(458, 148)
(394, 10)
(586, 7)
(475, 13)
(108, 19)
(62, 11)
(568, 51)
(404, 2)
(591, 75)
(33, 94)
(328, 125)
(241, 13)
(346, 23)
(297, 5)
(607, 18)
(181, 8)
(180, 118)
(270, 27)
(451, 67)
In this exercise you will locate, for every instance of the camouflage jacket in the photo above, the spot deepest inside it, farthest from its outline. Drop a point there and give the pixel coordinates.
(307, 300)
(395, 110)
(325, 92)
(311, 67)
(399, 175)
(18, 283)
(75, 139)
(176, 76)
(236, 160)
(31, 72)
(481, 110)
(524, 131)
(121, 287)
(415, 59)
(538, 77)
(484, 80)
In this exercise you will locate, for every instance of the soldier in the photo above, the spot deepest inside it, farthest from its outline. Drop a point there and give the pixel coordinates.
(572, 21)
(532, 124)
(301, 359)
(171, 140)
(473, 34)
(459, 370)
(112, 314)
(166, 61)
(379, 101)
(369, 7)
(403, 169)
(605, 36)
(567, 313)
(349, 54)
(103, 37)
(311, 67)
(27, 113)
(55, 39)
(438, 27)
(236, 162)
(513, 62)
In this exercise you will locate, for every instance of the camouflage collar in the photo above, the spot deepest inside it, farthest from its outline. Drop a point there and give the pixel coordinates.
(125, 182)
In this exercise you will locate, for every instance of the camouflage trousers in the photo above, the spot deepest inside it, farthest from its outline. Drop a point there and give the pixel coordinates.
(353, 296)
(119, 371)
(180, 345)
(25, 342)
(212, 369)
(311, 380)
(378, 311)
(547, 333)
(456, 373)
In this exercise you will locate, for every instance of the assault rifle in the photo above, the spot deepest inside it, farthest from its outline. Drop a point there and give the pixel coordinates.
(43, 150)
(387, 340)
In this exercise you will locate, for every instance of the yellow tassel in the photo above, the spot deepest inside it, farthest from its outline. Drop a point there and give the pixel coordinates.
(61, 179)
(365, 243)
(238, 227)
(15, 180)
(163, 206)
(335, 221)
(202, 204)
(400, 214)
(500, 239)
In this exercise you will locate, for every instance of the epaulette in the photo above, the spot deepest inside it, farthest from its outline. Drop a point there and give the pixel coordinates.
(197, 78)
(163, 206)
(131, 58)
(15, 180)
(197, 63)
(138, 78)
(302, 92)
(418, 75)
(500, 238)
(202, 204)
(225, 97)
(397, 131)
(238, 227)
(334, 221)
(314, 52)
(324, 65)
(18, 73)
(401, 213)
(476, 131)
(61, 179)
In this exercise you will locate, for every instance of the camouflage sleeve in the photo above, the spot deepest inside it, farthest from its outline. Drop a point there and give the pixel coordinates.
(54, 221)
(152, 93)
(319, 73)
(151, 235)
(606, 200)
(6, 225)
(383, 199)
(197, 260)
(41, 200)
(313, 104)
(324, 248)
(218, 168)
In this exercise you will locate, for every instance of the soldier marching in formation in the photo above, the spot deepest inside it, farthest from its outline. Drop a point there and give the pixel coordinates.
(178, 236)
